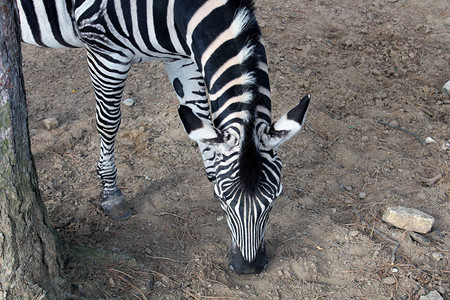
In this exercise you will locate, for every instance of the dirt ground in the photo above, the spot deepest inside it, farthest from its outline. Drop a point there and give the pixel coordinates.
(362, 62)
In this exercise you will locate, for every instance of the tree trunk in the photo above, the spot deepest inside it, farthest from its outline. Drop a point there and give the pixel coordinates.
(31, 251)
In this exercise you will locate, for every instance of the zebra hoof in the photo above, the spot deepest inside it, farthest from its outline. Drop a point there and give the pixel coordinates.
(116, 207)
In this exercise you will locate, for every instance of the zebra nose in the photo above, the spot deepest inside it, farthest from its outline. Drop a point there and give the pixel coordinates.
(239, 265)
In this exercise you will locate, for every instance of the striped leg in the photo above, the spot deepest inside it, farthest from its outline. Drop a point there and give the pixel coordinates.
(188, 83)
(108, 76)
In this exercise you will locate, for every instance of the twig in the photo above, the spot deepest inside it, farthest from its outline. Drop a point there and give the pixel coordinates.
(373, 229)
(432, 181)
(167, 258)
(404, 130)
(127, 281)
(308, 240)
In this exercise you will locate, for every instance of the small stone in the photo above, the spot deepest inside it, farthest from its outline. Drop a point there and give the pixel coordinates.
(219, 218)
(128, 102)
(364, 139)
(76, 133)
(446, 88)
(394, 270)
(158, 284)
(437, 256)
(362, 195)
(433, 295)
(348, 188)
(446, 146)
(389, 280)
(376, 72)
(429, 140)
(51, 123)
(408, 218)
(148, 251)
(353, 233)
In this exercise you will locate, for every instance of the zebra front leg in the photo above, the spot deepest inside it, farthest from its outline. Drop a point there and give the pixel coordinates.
(188, 83)
(108, 77)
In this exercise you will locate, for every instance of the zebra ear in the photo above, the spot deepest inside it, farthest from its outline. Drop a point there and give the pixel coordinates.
(285, 127)
(203, 132)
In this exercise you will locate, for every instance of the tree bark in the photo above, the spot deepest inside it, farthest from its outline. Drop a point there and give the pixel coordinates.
(31, 251)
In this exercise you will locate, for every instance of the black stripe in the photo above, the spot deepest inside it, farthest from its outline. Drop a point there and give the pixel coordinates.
(160, 21)
(29, 11)
(52, 16)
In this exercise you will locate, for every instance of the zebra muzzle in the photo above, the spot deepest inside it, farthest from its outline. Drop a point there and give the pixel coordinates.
(239, 265)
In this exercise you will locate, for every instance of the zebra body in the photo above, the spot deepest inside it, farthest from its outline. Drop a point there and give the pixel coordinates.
(214, 57)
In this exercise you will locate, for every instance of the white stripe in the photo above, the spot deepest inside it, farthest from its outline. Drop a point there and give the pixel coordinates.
(244, 98)
(242, 56)
(172, 31)
(151, 27)
(119, 13)
(27, 36)
(199, 15)
(44, 25)
(243, 80)
(241, 20)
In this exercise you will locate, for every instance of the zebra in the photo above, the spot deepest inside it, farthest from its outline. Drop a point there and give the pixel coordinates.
(215, 58)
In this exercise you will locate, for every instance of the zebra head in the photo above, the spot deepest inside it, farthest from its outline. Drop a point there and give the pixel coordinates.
(248, 177)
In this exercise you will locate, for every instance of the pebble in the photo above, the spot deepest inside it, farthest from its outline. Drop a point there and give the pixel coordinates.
(408, 218)
(394, 270)
(219, 218)
(389, 280)
(362, 195)
(76, 133)
(158, 284)
(128, 102)
(446, 88)
(433, 295)
(446, 146)
(376, 72)
(429, 140)
(437, 256)
(148, 251)
(364, 139)
(51, 123)
(353, 233)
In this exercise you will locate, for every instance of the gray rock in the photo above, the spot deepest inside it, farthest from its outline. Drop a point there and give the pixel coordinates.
(76, 133)
(128, 102)
(408, 218)
(446, 88)
(433, 295)
(437, 256)
(362, 195)
(51, 123)
(389, 280)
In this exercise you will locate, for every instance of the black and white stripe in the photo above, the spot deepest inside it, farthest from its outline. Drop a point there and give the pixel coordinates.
(216, 61)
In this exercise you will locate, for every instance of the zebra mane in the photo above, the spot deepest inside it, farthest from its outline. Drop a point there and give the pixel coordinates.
(250, 161)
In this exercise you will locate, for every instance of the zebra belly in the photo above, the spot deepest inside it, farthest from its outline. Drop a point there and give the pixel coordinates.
(47, 23)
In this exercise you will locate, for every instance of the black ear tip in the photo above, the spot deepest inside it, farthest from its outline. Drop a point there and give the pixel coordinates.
(298, 113)
(306, 99)
(190, 121)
